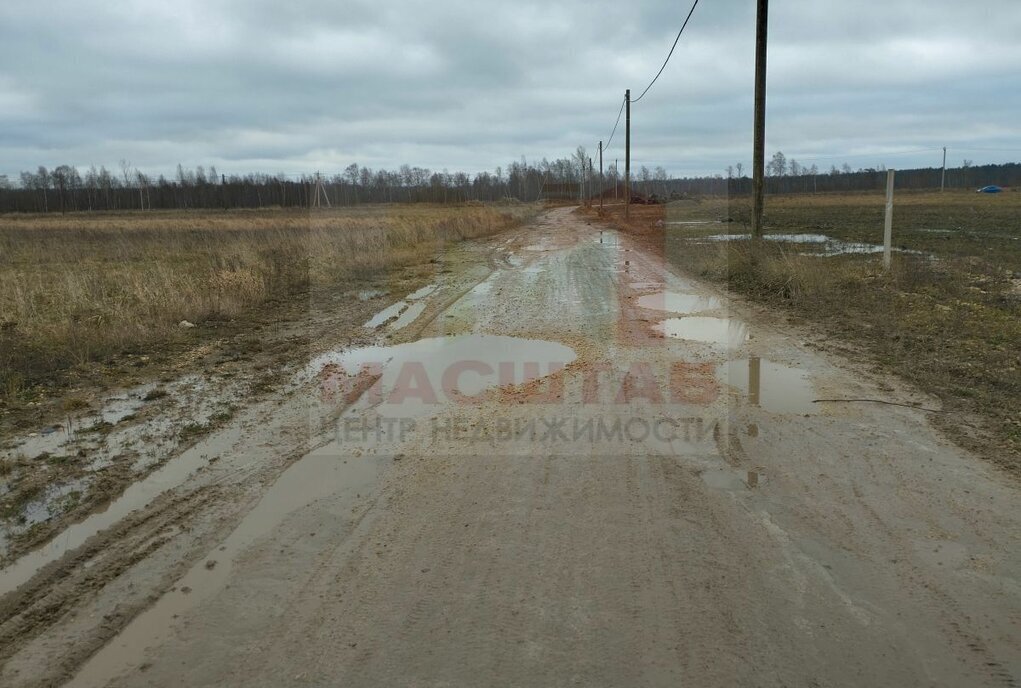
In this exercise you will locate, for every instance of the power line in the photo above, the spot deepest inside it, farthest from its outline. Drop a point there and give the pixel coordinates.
(619, 113)
(692, 11)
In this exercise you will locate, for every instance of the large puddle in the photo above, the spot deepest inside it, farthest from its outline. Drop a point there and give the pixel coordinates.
(770, 386)
(815, 244)
(418, 378)
(674, 302)
(718, 331)
(319, 474)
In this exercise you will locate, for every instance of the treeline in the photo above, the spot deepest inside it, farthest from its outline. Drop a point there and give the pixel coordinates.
(789, 176)
(66, 189)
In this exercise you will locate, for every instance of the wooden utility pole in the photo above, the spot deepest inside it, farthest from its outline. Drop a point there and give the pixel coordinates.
(600, 177)
(591, 179)
(943, 177)
(627, 155)
(759, 133)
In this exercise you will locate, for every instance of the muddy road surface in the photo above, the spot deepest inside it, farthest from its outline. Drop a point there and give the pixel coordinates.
(558, 463)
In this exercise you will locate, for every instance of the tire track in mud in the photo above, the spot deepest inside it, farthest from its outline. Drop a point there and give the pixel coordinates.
(60, 586)
(954, 620)
(74, 580)
(493, 263)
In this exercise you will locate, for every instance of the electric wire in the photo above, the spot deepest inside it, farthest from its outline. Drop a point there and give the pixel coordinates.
(619, 113)
(692, 11)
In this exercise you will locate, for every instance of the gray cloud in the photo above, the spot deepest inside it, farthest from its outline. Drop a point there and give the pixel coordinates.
(253, 85)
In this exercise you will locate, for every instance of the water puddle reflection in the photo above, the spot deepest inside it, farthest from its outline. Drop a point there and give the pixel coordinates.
(816, 244)
(418, 378)
(770, 386)
(719, 331)
(409, 315)
(391, 311)
(422, 293)
(674, 302)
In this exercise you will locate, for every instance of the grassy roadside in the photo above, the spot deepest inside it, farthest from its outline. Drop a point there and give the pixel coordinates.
(76, 289)
(946, 317)
(342, 268)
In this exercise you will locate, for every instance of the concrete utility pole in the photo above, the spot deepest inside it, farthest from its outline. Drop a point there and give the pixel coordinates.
(943, 177)
(600, 177)
(888, 226)
(759, 133)
(627, 155)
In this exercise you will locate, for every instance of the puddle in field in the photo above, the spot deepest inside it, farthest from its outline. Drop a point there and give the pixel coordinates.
(419, 377)
(732, 480)
(674, 302)
(317, 475)
(422, 293)
(50, 504)
(722, 331)
(387, 313)
(366, 294)
(408, 316)
(51, 440)
(770, 386)
(822, 244)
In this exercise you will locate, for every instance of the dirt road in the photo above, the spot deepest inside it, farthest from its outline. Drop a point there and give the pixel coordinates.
(559, 464)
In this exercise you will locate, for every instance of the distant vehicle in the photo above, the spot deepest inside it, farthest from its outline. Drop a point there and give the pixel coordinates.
(992, 188)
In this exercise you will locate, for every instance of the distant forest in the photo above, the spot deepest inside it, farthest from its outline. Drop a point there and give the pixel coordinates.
(67, 189)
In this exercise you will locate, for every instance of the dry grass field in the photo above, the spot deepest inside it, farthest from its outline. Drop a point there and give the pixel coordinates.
(946, 317)
(77, 288)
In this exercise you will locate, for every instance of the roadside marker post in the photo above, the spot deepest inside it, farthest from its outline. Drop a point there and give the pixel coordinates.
(888, 229)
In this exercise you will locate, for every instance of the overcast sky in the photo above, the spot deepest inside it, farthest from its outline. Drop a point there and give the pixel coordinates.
(264, 85)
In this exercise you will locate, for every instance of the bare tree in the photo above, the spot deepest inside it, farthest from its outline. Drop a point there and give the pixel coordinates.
(660, 176)
(778, 165)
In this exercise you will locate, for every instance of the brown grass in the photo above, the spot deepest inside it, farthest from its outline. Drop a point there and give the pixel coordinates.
(77, 288)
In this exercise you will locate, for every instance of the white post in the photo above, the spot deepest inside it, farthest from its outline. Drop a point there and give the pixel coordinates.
(888, 230)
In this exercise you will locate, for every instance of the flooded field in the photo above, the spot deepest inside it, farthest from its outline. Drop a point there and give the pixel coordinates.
(808, 244)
